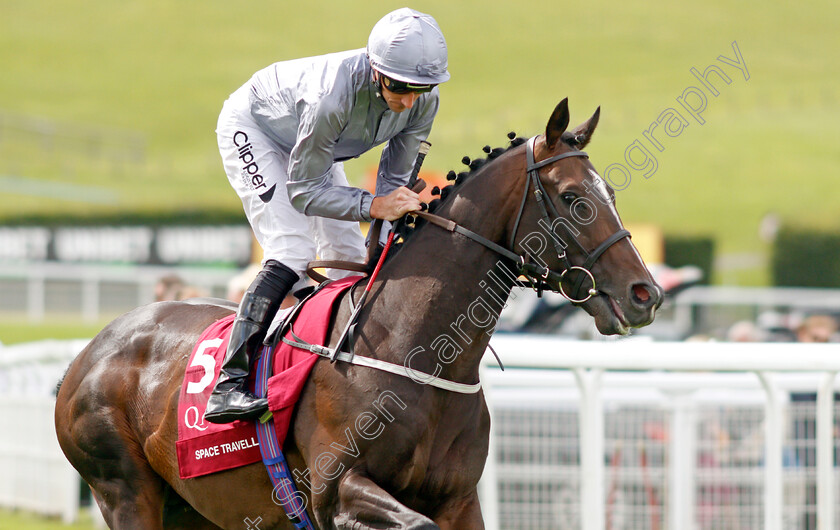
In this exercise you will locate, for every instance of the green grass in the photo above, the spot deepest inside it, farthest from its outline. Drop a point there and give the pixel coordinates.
(15, 329)
(162, 70)
(18, 520)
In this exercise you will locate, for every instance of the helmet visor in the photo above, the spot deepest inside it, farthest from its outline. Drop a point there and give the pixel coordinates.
(404, 87)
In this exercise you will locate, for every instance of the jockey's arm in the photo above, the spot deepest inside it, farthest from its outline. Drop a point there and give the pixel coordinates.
(393, 199)
(310, 185)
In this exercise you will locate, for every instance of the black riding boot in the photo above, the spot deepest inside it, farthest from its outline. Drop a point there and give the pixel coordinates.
(230, 399)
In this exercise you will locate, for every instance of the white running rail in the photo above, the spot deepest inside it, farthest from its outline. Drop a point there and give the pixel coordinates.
(671, 368)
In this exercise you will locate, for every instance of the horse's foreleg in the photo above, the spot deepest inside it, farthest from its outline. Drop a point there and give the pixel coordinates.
(363, 505)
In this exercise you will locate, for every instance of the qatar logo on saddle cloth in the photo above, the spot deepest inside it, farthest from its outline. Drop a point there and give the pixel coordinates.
(205, 447)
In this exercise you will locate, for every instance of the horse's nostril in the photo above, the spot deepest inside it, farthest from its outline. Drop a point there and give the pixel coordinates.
(641, 294)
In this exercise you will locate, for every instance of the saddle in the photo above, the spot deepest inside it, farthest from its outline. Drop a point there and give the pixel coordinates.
(204, 448)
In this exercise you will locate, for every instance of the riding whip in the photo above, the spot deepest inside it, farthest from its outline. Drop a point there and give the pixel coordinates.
(412, 183)
(421, 156)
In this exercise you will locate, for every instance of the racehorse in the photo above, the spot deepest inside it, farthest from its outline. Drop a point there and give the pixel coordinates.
(404, 454)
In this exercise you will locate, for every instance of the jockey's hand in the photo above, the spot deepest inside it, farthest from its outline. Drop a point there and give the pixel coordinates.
(394, 205)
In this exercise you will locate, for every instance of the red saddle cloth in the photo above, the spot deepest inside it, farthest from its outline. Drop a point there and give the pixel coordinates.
(204, 447)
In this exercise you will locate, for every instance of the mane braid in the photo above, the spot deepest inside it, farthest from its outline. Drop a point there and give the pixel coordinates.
(474, 166)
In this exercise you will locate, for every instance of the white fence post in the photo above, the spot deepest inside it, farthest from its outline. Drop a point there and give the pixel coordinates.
(35, 293)
(825, 453)
(683, 451)
(488, 486)
(591, 420)
(36, 475)
(773, 498)
(90, 299)
(70, 501)
(775, 359)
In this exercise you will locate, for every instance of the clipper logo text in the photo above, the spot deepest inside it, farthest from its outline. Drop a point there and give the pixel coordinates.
(250, 170)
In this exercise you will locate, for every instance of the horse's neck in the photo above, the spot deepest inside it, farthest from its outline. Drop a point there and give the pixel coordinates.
(488, 201)
(450, 309)
(458, 286)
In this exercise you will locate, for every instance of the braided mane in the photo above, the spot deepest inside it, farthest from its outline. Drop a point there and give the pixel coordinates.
(459, 178)
(474, 166)
(405, 231)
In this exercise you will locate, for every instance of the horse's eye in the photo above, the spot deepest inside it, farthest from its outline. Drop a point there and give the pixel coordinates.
(568, 197)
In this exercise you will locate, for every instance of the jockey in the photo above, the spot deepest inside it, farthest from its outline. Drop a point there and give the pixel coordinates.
(283, 136)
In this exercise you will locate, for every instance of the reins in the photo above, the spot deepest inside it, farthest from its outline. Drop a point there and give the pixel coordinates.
(539, 277)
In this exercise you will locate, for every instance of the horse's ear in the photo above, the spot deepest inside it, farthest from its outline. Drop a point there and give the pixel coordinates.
(583, 132)
(557, 124)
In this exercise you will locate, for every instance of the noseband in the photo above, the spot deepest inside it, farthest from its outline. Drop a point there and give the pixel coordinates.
(539, 277)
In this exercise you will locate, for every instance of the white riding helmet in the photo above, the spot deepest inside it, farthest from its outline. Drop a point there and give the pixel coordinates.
(408, 46)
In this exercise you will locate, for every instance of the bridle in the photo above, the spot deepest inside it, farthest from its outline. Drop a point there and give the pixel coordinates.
(540, 277)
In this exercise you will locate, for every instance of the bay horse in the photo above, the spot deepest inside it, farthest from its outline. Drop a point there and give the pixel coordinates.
(404, 455)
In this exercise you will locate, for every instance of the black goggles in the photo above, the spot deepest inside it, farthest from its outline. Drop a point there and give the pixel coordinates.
(403, 87)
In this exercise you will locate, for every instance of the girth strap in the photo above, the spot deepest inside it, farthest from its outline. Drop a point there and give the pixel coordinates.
(397, 369)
